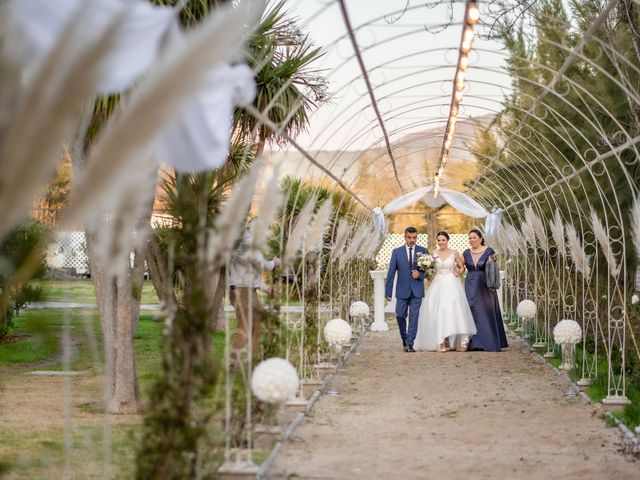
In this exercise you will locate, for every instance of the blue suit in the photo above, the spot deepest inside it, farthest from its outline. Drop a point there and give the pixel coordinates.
(409, 291)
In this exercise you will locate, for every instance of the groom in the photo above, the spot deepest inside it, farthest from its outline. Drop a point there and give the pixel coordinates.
(409, 287)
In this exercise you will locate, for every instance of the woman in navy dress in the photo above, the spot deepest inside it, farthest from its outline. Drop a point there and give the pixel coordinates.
(482, 300)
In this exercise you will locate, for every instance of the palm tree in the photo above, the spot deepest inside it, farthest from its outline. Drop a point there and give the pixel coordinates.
(288, 88)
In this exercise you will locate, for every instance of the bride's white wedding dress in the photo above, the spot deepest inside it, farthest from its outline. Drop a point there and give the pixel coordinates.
(444, 311)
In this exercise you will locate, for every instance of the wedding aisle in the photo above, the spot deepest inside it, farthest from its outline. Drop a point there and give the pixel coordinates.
(455, 415)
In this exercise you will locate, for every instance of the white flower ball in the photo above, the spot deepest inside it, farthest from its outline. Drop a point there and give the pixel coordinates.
(526, 309)
(567, 331)
(359, 309)
(337, 332)
(274, 380)
(635, 299)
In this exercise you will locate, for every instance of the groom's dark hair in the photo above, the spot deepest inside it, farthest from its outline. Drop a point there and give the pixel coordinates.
(410, 230)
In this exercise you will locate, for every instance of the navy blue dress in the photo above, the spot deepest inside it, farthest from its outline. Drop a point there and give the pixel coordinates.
(484, 306)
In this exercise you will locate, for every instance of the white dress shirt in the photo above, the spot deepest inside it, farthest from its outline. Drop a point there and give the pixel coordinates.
(413, 252)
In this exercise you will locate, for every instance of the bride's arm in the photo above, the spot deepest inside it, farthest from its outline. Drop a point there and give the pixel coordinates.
(459, 264)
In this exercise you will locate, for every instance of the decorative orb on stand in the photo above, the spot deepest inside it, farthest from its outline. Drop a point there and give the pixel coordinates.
(359, 311)
(337, 333)
(527, 311)
(567, 333)
(274, 381)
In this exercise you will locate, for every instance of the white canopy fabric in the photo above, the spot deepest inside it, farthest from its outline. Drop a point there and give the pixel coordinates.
(198, 139)
(461, 202)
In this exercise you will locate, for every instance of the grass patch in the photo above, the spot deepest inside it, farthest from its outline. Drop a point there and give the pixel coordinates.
(599, 388)
(36, 341)
(82, 291)
(41, 455)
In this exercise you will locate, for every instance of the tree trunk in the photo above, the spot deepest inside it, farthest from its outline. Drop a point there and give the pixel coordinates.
(118, 300)
(160, 275)
(218, 301)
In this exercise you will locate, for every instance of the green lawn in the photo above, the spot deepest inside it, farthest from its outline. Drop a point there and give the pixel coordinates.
(82, 291)
(38, 453)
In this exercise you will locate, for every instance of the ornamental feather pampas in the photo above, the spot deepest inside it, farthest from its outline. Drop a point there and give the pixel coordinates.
(577, 253)
(356, 243)
(46, 115)
(538, 228)
(511, 235)
(296, 237)
(318, 228)
(182, 70)
(269, 204)
(528, 234)
(519, 244)
(635, 226)
(557, 232)
(126, 228)
(605, 244)
(342, 235)
(374, 245)
(231, 219)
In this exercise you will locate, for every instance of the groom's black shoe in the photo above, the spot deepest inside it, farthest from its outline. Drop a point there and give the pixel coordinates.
(409, 348)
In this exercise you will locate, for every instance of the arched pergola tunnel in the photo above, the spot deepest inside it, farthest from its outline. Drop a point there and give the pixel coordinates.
(531, 112)
(553, 154)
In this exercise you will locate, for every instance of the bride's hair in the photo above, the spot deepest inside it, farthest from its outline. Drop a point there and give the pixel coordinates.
(479, 234)
(443, 233)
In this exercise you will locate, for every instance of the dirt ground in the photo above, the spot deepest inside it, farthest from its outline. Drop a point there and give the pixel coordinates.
(452, 415)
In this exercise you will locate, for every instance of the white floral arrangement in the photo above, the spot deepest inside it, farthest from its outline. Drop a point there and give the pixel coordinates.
(567, 332)
(635, 299)
(337, 332)
(274, 380)
(359, 309)
(526, 309)
(426, 263)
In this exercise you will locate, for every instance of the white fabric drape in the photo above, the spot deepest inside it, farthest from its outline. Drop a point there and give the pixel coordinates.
(492, 222)
(378, 221)
(34, 26)
(199, 138)
(458, 200)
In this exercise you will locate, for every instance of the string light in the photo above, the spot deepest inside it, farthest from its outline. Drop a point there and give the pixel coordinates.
(472, 17)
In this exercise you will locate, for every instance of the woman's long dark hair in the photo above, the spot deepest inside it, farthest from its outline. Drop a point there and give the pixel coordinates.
(478, 233)
(443, 233)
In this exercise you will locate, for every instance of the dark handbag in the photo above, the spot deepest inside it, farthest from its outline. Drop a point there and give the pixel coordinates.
(492, 274)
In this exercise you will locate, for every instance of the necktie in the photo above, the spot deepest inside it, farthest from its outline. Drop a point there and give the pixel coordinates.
(410, 257)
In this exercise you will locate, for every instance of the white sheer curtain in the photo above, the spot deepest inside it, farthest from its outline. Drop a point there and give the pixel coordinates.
(458, 200)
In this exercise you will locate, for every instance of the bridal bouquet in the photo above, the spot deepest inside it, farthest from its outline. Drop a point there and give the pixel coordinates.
(426, 263)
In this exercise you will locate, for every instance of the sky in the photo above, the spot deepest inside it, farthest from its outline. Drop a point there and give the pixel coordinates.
(410, 61)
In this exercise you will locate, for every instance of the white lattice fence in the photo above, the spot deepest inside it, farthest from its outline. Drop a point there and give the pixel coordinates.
(69, 251)
(458, 241)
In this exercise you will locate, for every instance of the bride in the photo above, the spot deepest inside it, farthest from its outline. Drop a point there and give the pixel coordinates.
(445, 319)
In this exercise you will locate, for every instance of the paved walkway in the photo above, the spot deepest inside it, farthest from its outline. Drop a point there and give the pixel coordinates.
(152, 306)
(468, 415)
